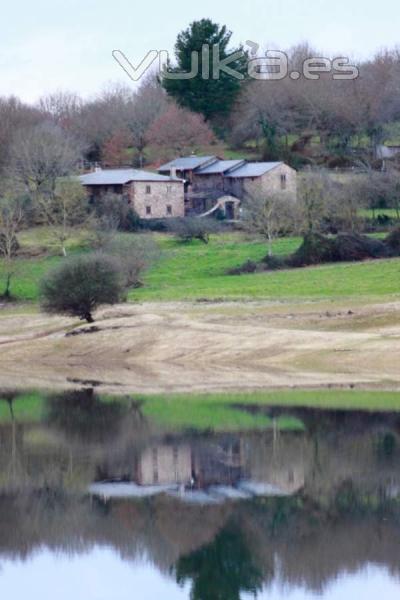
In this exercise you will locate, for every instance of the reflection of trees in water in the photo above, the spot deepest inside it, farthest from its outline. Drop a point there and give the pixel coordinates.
(80, 428)
(345, 516)
(82, 414)
(15, 471)
(232, 547)
(221, 570)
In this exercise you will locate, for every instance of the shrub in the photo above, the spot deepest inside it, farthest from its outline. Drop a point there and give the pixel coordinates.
(135, 254)
(249, 267)
(393, 242)
(115, 208)
(10, 246)
(82, 283)
(318, 249)
(352, 247)
(157, 225)
(314, 250)
(193, 228)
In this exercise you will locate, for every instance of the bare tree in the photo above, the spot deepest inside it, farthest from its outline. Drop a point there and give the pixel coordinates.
(377, 189)
(180, 131)
(135, 255)
(14, 115)
(63, 210)
(11, 220)
(149, 103)
(102, 117)
(269, 215)
(61, 107)
(393, 191)
(41, 155)
(343, 206)
(314, 197)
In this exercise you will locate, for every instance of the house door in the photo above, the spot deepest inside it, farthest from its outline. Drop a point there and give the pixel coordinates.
(230, 211)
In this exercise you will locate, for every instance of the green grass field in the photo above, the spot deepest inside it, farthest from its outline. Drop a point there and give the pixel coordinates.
(195, 271)
(384, 212)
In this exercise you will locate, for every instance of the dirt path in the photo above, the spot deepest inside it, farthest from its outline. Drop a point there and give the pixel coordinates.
(206, 347)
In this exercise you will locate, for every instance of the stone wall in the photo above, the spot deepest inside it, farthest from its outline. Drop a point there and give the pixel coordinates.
(158, 200)
(272, 183)
(213, 182)
(241, 187)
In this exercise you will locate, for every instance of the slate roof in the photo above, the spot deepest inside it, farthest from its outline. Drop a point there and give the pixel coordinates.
(254, 169)
(220, 167)
(121, 177)
(187, 163)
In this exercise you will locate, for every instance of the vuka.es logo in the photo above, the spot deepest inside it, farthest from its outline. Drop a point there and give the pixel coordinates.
(273, 65)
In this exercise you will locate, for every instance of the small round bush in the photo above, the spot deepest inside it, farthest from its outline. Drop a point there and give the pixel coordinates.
(82, 283)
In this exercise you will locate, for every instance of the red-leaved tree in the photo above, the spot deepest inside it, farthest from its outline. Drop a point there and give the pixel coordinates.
(115, 151)
(179, 131)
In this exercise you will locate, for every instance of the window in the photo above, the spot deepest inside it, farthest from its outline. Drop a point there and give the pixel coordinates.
(283, 182)
(148, 189)
(169, 209)
(148, 210)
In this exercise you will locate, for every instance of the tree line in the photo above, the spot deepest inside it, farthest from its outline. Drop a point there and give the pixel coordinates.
(281, 119)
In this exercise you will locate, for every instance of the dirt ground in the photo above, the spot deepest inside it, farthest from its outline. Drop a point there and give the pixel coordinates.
(193, 347)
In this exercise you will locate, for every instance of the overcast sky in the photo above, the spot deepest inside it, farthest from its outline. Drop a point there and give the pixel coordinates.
(102, 574)
(50, 45)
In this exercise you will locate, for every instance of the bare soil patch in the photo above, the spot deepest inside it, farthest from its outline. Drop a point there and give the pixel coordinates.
(192, 347)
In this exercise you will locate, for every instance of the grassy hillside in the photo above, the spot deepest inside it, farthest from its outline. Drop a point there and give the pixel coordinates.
(196, 271)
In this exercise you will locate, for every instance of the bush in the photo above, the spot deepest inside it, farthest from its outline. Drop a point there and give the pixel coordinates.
(249, 267)
(314, 250)
(135, 254)
(351, 247)
(193, 228)
(318, 249)
(393, 242)
(156, 225)
(10, 247)
(82, 283)
(114, 208)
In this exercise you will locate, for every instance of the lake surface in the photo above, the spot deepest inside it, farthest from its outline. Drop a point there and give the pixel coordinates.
(99, 502)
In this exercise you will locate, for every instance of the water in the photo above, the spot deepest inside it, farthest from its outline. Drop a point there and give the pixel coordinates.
(99, 502)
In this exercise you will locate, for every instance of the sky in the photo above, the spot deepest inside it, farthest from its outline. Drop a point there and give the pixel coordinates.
(101, 574)
(52, 45)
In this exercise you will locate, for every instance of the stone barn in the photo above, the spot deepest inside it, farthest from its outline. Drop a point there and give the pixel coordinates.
(221, 184)
(151, 195)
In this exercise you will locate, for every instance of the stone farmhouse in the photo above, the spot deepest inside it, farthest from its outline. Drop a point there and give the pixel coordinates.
(193, 185)
(151, 195)
(212, 183)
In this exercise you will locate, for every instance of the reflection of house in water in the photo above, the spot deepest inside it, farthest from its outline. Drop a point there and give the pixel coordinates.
(218, 462)
(217, 467)
(280, 463)
(164, 465)
(199, 465)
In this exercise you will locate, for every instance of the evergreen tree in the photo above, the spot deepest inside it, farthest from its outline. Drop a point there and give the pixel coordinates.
(213, 98)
